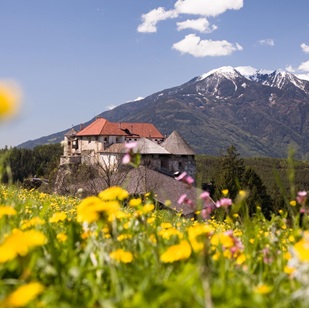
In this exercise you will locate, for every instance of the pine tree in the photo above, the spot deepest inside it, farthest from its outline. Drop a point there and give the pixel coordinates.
(231, 172)
(258, 195)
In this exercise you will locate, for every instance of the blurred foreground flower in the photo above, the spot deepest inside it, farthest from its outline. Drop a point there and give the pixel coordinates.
(23, 295)
(19, 243)
(92, 208)
(7, 210)
(122, 256)
(178, 252)
(10, 97)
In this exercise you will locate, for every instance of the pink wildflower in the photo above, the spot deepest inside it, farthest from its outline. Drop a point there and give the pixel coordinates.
(129, 152)
(209, 205)
(181, 176)
(126, 159)
(184, 199)
(205, 195)
(301, 197)
(184, 177)
(224, 202)
(130, 145)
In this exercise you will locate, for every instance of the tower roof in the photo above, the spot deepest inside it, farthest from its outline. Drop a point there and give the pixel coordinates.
(175, 144)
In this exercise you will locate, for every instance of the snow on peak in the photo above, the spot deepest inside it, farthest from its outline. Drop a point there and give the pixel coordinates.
(226, 71)
(138, 99)
(277, 78)
(246, 70)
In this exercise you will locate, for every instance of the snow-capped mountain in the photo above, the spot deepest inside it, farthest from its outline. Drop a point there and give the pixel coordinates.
(278, 78)
(261, 112)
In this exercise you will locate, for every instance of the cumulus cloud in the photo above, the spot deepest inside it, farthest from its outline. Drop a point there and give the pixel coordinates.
(268, 42)
(304, 47)
(200, 24)
(303, 76)
(150, 19)
(193, 44)
(196, 7)
(196, 47)
(290, 69)
(304, 67)
(207, 7)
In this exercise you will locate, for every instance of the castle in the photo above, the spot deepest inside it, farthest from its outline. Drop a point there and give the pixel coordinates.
(103, 142)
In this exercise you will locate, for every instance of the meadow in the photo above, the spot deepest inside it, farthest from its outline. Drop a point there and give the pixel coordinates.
(115, 250)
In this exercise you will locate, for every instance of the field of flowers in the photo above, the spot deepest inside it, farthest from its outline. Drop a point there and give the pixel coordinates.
(113, 250)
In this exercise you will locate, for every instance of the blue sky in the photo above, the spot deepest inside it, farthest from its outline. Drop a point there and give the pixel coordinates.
(74, 59)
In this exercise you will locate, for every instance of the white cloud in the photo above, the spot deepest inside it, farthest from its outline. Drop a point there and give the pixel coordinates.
(304, 66)
(303, 76)
(207, 7)
(290, 69)
(196, 7)
(304, 47)
(196, 47)
(269, 42)
(200, 24)
(150, 19)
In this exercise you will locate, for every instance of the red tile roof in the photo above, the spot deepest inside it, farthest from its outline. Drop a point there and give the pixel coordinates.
(102, 126)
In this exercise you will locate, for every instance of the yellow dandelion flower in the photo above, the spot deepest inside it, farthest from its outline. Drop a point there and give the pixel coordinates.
(263, 289)
(166, 225)
(7, 210)
(168, 203)
(291, 238)
(153, 239)
(151, 220)
(225, 192)
(222, 239)
(148, 208)
(289, 270)
(216, 256)
(19, 243)
(113, 193)
(302, 250)
(90, 209)
(23, 295)
(168, 233)
(58, 216)
(10, 97)
(32, 222)
(126, 225)
(179, 252)
(241, 258)
(124, 236)
(62, 237)
(293, 203)
(196, 234)
(242, 193)
(87, 209)
(122, 256)
(134, 202)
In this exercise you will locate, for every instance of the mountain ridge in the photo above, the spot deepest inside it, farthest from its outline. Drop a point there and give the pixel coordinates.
(260, 112)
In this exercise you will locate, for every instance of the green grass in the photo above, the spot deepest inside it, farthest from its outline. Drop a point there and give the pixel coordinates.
(171, 261)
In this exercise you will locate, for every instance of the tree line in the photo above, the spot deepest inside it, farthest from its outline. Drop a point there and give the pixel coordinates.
(271, 182)
(17, 164)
